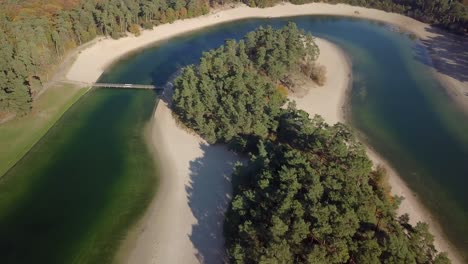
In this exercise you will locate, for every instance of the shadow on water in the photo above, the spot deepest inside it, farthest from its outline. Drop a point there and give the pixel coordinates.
(209, 193)
(449, 54)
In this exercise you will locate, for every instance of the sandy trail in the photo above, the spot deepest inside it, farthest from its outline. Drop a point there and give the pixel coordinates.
(183, 223)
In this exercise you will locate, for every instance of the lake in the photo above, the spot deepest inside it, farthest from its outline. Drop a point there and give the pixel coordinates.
(74, 196)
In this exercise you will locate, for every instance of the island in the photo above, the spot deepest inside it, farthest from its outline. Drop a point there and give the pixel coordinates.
(307, 193)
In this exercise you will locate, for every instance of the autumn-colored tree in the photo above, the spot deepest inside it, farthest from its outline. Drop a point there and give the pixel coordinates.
(183, 13)
(134, 29)
(36, 34)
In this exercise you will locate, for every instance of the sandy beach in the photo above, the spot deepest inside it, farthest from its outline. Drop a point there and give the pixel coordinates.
(184, 222)
(328, 100)
(446, 51)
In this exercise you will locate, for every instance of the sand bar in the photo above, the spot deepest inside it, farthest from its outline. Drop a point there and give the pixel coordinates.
(185, 219)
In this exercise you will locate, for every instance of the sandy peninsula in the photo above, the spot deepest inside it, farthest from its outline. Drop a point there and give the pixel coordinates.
(195, 178)
(184, 222)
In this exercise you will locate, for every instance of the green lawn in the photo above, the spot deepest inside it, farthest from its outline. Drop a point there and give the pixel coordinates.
(19, 135)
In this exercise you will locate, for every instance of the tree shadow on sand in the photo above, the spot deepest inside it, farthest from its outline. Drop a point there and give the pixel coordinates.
(209, 193)
(448, 52)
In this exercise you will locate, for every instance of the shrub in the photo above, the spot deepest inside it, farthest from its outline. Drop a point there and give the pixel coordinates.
(319, 74)
(134, 29)
(282, 90)
(147, 25)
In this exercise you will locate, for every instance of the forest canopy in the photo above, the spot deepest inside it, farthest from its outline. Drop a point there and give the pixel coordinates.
(311, 196)
(309, 193)
(236, 88)
(36, 34)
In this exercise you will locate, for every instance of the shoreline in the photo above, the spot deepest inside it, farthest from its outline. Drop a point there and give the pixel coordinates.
(176, 149)
(193, 193)
(152, 242)
(29, 130)
(334, 110)
(93, 61)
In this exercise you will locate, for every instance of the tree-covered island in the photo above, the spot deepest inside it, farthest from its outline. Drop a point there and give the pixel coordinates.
(309, 193)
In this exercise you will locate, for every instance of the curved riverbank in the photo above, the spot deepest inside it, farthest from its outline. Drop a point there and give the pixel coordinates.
(184, 222)
(94, 60)
(329, 102)
(75, 194)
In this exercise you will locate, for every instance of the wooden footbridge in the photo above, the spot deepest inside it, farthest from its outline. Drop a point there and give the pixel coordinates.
(115, 85)
(126, 86)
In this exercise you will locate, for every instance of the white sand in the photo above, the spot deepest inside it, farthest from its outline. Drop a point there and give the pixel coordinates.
(176, 227)
(184, 222)
(328, 100)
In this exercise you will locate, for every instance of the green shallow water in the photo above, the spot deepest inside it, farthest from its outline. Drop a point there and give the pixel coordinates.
(74, 196)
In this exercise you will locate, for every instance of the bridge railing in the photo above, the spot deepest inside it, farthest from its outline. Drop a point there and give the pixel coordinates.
(126, 86)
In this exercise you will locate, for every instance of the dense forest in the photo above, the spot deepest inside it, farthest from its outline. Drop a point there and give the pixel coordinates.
(241, 83)
(36, 34)
(309, 193)
(311, 196)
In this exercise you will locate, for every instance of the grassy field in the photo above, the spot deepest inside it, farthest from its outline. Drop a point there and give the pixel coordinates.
(19, 135)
